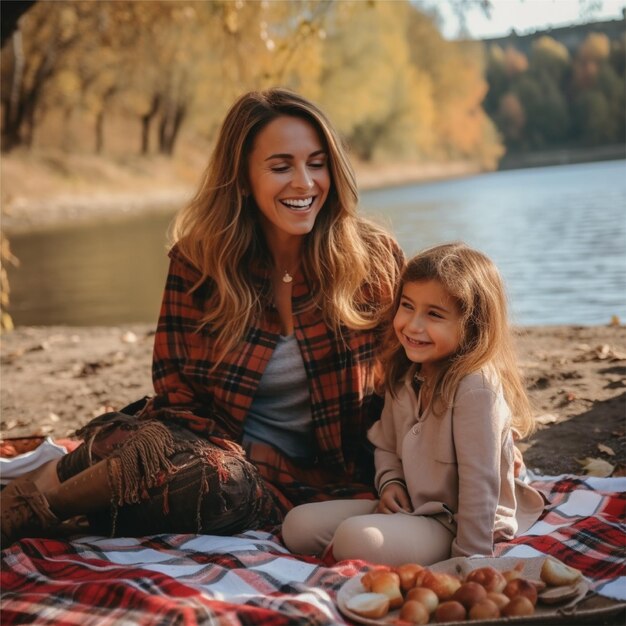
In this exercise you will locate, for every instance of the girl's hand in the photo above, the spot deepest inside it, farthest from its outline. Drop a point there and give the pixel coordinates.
(394, 499)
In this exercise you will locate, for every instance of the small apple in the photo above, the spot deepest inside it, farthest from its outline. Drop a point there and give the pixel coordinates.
(468, 594)
(489, 577)
(389, 584)
(518, 606)
(450, 611)
(485, 609)
(426, 596)
(521, 587)
(414, 612)
(368, 577)
(444, 585)
(499, 599)
(407, 573)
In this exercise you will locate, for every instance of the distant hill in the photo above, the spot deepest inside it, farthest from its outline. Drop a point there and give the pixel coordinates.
(570, 36)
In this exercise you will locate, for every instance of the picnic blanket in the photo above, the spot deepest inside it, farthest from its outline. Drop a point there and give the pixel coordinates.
(252, 579)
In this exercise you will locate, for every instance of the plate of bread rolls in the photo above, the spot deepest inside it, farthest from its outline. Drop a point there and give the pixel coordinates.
(462, 590)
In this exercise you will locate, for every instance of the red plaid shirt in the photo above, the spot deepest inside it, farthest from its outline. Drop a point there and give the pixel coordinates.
(216, 403)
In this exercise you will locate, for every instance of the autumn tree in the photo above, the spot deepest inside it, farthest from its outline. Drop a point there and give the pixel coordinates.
(380, 102)
(456, 73)
(598, 93)
(34, 56)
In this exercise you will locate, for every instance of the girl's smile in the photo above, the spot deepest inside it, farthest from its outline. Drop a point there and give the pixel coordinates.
(416, 342)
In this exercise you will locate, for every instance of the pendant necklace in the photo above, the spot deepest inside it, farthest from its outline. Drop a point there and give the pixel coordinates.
(287, 276)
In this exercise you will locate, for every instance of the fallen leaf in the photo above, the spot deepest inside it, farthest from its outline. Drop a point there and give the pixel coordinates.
(547, 418)
(129, 337)
(603, 351)
(606, 449)
(105, 408)
(596, 467)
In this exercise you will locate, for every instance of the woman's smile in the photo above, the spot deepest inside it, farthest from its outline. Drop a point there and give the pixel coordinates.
(299, 204)
(289, 177)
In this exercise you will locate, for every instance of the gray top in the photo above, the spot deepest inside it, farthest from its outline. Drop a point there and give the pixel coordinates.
(280, 413)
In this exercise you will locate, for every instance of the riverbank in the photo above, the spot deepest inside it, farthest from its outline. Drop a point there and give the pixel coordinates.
(54, 379)
(42, 190)
(565, 156)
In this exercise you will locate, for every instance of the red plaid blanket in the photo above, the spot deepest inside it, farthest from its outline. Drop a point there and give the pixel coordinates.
(252, 579)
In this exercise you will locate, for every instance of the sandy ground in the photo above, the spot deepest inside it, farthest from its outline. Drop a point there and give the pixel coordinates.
(54, 379)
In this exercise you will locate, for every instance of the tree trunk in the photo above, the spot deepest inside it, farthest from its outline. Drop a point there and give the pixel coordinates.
(146, 121)
(99, 131)
(169, 128)
(13, 112)
(99, 125)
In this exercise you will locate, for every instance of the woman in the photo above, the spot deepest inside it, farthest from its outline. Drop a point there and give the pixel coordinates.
(264, 352)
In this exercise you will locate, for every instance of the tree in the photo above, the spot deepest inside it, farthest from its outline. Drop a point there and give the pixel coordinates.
(592, 122)
(32, 57)
(379, 101)
(456, 71)
(511, 120)
(497, 79)
(550, 60)
(592, 53)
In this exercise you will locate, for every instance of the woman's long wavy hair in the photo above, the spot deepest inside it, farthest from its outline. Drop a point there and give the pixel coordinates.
(475, 283)
(219, 230)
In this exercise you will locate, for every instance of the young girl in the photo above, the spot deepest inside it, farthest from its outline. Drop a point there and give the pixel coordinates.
(444, 443)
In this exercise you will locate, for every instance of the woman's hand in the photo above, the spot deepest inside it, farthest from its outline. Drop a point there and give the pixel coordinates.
(394, 499)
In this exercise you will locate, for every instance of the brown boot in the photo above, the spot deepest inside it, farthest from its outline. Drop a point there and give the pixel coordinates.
(25, 513)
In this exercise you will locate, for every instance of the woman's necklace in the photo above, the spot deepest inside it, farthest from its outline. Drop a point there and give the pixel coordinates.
(287, 276)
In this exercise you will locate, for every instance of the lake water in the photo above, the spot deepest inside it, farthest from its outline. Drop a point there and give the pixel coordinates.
(558, 235)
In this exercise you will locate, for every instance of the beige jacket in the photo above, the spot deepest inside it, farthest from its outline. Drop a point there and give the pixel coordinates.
(460, 463)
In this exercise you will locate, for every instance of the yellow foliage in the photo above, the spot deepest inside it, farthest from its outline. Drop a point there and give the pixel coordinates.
(552, 47)
(6, 257)
(515, 62)
(512, 115)
(381, 70)
(595, 47)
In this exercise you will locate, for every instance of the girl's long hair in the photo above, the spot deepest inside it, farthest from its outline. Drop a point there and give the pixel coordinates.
(350, 261)
(475, 283)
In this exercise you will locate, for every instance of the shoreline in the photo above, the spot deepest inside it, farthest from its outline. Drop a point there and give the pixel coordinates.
(23, 214)
(129, 189)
